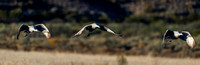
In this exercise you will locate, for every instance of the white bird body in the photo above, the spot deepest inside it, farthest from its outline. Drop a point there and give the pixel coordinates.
(184, 35)
(34, 28)
(92, 27)
(177, 34)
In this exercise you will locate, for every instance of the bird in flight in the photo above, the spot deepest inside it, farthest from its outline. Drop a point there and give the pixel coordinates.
(184, 35)
(34, 28)
(92, 27)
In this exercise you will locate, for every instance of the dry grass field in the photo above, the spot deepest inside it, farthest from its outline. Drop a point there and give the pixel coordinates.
(9, 57)
(140, 23)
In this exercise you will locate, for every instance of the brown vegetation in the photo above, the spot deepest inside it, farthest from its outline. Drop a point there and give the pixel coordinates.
(139, 39)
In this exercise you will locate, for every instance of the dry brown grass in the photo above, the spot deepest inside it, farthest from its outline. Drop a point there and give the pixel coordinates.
(138, 39)
(9, 57)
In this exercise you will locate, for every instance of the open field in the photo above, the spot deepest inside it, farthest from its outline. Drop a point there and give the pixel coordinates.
(9, 57)
(140, 23)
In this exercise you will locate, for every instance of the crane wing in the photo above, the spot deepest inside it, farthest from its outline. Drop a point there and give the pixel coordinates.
(42, 28)
(188, 38)
(168, 34)
(23, 27)
(80, 31)
(104, 28)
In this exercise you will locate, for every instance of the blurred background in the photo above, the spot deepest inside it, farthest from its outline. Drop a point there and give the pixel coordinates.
(142, 22)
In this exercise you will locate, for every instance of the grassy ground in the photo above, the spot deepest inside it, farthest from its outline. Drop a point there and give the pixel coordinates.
(9, 57)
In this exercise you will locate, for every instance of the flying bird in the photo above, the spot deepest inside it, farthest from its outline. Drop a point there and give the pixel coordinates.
(184, 35)
(35, 28)
(92, 27)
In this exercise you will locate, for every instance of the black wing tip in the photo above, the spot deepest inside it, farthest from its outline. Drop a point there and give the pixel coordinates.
(22, 25)
(17, 37)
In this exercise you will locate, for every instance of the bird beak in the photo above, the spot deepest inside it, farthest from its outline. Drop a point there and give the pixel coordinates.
(98, 26)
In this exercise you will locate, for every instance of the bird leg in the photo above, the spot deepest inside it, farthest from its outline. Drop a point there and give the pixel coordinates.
(169, 39)
(88, 34)
(165, 46)
(27, 34)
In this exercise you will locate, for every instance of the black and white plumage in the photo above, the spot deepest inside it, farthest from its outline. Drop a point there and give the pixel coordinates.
(184, 35)
(35, 28)
(92, 27)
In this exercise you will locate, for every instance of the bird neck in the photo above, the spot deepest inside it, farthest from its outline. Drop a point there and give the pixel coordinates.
(32, 29)
(177, 34)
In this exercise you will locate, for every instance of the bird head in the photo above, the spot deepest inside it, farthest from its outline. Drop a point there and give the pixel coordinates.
(95, 25)
(177, 33)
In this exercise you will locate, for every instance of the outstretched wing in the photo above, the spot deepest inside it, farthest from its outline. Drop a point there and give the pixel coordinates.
(42, 28)
(188, 38)
(102, 27)
(168, 34)
(80, 32)
(23, 27)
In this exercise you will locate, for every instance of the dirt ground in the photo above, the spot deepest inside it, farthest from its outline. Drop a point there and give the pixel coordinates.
(10, 57)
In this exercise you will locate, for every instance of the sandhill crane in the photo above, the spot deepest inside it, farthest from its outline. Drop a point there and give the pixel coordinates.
(184, 35)
(92, 27)
(34, 28)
